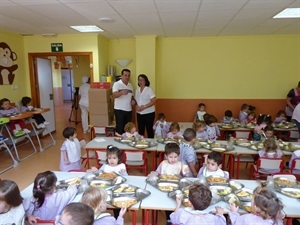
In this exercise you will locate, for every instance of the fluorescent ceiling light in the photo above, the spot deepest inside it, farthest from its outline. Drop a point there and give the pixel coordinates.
(289, 13)
(88, 28)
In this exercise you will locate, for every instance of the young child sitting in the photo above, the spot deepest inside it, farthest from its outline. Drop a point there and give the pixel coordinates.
(212, 129)
(262, 121)
(130, 131)
(199, 127)
(175, 131)
(200, 198)
(200, 113)
(39, 119)
(213, 166)
(280, 117)
(244, 113)
(228, 117)
(161, 127)
(269, 133)
(95, 197)
(7, 109)
(295, 155)
(251, 118)
(187, 153)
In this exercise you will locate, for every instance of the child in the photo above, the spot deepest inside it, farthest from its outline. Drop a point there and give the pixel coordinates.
(76, 213)
(70, 151)
(187, 153)
(114, 162)
(200, 198)
(200, 113)
(213, 166)
(174, 131)
(161, 127)
(39, 119)
(280, 117)
(270, 151)
(46, 203)
(251, 118)
(199, 127)
(228, 117)
(266, 210)
(296, 154)
(244, 113)
(212, 129)
(6, 108)
(11, 207)
(269, 132)
(262, 121)
(130, 131)
(96, 198)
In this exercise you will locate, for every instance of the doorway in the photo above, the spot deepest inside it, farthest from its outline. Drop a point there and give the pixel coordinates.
(67, 81)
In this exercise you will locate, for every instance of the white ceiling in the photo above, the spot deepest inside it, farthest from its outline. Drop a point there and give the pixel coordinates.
(164, 18)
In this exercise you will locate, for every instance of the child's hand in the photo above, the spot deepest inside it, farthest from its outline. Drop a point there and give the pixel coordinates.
(219, 210)
(233, 207)
(94, 169)
(67, 162)
(179, 199)
(32, 219)
(122, 212)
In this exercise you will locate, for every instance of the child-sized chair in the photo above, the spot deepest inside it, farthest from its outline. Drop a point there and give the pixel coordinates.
(263, 164)
(136, 159)
(295, 167)
(4, 145)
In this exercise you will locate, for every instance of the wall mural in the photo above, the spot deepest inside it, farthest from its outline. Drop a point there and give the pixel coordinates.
(7, 64)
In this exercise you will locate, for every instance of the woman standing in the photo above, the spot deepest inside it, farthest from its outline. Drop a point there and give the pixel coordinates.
(292, 99)
(145, 100)
(84, 103)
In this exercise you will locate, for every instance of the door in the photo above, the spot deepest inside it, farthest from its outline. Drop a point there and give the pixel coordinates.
(67, 84)
(44, 75)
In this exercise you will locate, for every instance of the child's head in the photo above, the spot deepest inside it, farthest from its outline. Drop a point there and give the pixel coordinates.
(5, 103)
(251, 115)
(270, 145)
(25, 101)
(69, 132)
(174, 127)
(9, 195)
(201, 107)
(44, 183)
(266, 204)
(161, 117)
(130, 127)
(205, 116)
(199, 126)
(245, 107)
(252, 108)
(211, 120)
(199, 196)
(76, 213)
(189, 135)
(228, 114)
(172, 152)
(113, 155)
(214, 161)
(264, 119)
(281, 113)
(269, 131)
(95, 197)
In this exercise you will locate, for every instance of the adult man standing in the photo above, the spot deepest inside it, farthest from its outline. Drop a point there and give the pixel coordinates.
(123, 95)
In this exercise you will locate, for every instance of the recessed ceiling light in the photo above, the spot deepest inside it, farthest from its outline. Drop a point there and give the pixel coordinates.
(106, 19)
(289, 13)
(87, 28)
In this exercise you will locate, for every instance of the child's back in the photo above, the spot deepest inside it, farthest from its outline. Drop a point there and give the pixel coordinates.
(251, 219)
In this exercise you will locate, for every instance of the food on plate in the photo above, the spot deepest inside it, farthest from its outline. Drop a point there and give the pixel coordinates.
(216, 180)
(125, 204)
(253, 147)
(166, 188)
(107, 175)
(129, 189)
(119, 190)
(76, 181)
(284, 182)
(186, 202)
(168, 177)
(225, 191)
(244, 194)
(219, 149)
(248, 208)
(294, 194)
(232, 200)
(186, 192)
(244, 144)
(102, 185)
(141, 146)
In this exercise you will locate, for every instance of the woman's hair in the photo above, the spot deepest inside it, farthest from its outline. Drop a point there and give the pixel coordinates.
(228, 113)
(172, 147)
(200, 196)
(112, 150)
(174, 126)
(263, 118)
(160, 116)
(25, 101)
(147, 82)
(95, 197)
(270, 145)
(189, 134)
(44, 183)
(128, 126)
(211, 119)
(79, 213)
(267, 204)
(281, 112)
(197, 124)
(10, 193)
(68, 132)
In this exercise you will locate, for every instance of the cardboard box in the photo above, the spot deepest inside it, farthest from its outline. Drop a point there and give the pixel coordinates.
(103, 108)
(102, 85)
(101, 120)
(100, 95)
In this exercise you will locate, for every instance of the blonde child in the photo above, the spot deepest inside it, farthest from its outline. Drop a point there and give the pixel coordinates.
(7, 109)
(200, 113)
(213, 166)
(70, 151)
(96, 198)
(199, 127)
(114, 162)
(130, 131)
(212, 129)
(262, 121)
(187, 153)
(228, 117)
(251, 118)
(161, 127)
(266, 210)
(46, 202)
(244, 113)
(11, 207)
(175, 131)
(280, 117)
(200, 198)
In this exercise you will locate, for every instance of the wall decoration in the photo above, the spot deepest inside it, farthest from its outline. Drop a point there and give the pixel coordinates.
(7, 64)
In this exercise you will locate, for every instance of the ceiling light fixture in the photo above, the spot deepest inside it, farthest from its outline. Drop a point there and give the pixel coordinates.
(289, 13)
(49, 35)
(106, 20)
(87, 28)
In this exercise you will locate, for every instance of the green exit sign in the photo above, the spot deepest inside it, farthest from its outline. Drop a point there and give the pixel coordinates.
(56, 47)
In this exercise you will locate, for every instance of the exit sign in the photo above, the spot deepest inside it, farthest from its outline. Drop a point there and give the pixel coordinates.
(56, 47)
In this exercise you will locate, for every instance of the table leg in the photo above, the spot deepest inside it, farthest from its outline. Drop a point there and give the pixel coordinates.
(146, 217)
(133, 212)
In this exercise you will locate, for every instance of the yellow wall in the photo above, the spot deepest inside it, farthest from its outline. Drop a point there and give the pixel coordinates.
(80, 69)
(262, 67)
(103, 46)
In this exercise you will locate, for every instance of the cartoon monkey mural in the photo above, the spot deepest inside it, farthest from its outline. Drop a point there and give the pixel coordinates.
(7, 66)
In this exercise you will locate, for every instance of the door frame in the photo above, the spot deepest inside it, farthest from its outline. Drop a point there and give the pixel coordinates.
(35, 92)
